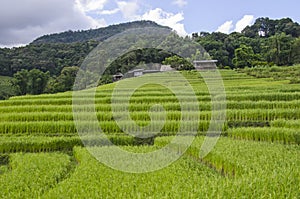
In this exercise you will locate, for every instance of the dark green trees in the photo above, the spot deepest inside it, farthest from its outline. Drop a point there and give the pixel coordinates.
(296, 51)
(245, 56)
(178, 63)
(64, 82)
(280, 49)
(31, 82)
(268, 27)
(267, 42)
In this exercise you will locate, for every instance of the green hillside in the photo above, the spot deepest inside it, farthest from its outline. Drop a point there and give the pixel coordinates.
(7, 89)
(257, 156)
(99, 34)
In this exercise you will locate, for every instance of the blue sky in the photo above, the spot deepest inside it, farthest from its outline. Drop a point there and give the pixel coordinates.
(209, 15)
(21, 21)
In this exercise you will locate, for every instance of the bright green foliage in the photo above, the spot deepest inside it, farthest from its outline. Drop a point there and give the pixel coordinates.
(293, 124)
(94, 180)
(232, 173)
(281, 135)
(257, 155)
(244, 57)
(291, 73)
(31, 175)
(254, 103)
(37, 144)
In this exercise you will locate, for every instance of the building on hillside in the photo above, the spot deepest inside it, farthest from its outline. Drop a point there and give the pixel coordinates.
(166, 68)
(199, 65)
(151, 71)
(205, 64)
(134, 73)
(139, 72)
(117, 77)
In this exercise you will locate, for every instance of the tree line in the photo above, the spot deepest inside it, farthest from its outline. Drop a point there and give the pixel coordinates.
(267, 42)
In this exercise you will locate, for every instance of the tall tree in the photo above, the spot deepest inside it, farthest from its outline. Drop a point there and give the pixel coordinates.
(296, 51)
(21, 80)
(244, 57)
(280, 49)
(64, 82)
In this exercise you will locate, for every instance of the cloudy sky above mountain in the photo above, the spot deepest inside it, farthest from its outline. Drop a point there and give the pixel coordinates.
(21, 21)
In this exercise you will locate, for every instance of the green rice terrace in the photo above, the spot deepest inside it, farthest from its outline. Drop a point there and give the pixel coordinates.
(257, 155)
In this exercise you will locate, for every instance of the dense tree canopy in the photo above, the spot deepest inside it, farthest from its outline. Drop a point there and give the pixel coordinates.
(99, 34)
(64, 82)
(31, 82)
(272, 42)
(268, 27)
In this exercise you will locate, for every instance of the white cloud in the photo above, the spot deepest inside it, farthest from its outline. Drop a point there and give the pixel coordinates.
(226, 27)
(180, 3)
(167, 19)
(109, 12)
(129, 9)
(100, 23)
(245, 21)
(91, 5)
(23, 21)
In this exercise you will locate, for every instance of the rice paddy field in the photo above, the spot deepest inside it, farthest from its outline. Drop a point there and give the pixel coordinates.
(257, 155)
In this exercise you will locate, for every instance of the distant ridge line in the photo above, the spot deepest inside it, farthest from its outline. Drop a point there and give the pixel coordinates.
(99, 34)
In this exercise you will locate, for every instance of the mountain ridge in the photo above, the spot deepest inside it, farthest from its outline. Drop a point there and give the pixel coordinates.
(99, 34)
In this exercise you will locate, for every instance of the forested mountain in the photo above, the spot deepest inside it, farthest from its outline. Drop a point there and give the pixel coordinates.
(54, 52)
(99, 34)
(56, 58)
(52, 57)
